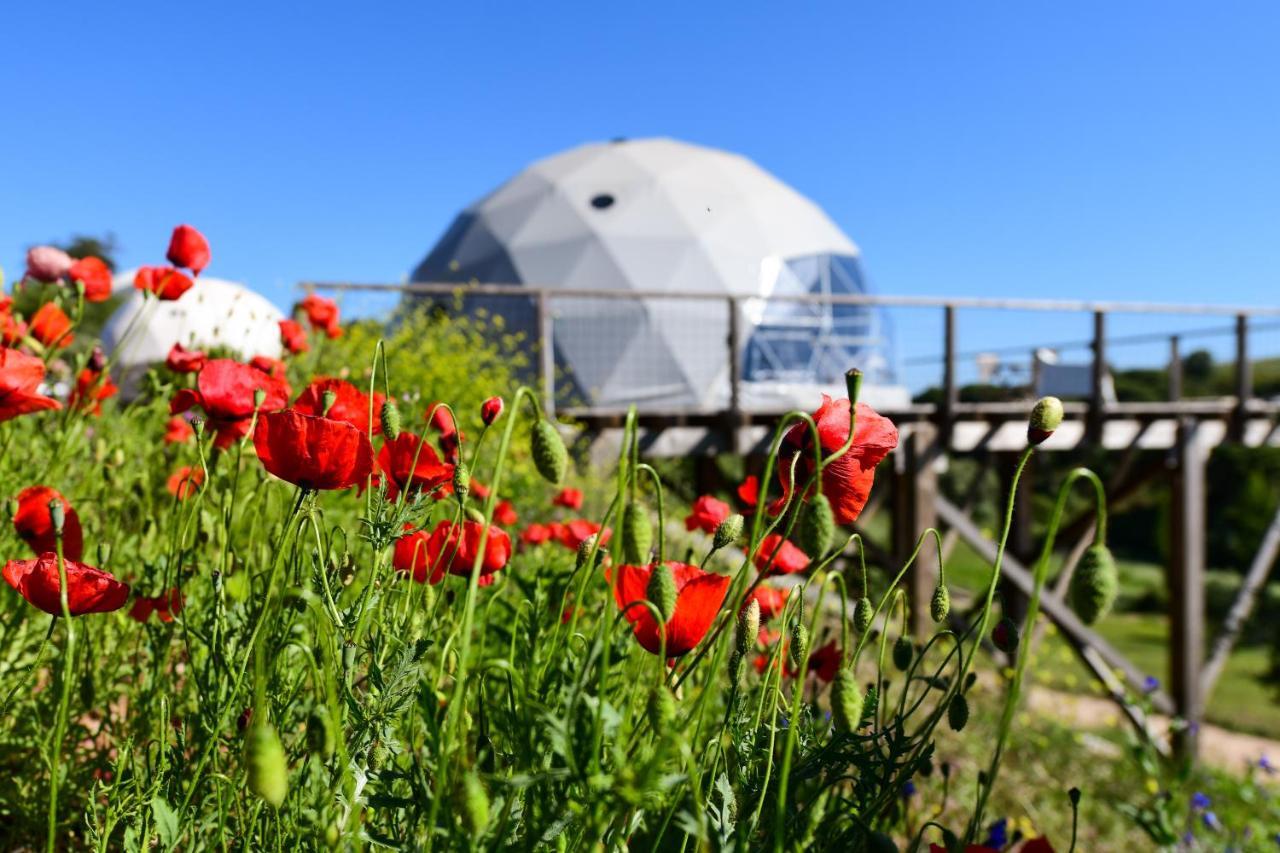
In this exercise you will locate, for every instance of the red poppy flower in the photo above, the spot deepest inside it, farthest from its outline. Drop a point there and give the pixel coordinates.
(789, 558)
(177, 430)
(707, 514)
(34, 524)
(442, 420)
(749, 494)
(443, 552)
(89, 590)
(165, 282)
(397, 462)
(350, 404)
(491, 410)
(573, 533)
(273, 367)
(535, 534)
(12, 330)
(165, 606)
(92, 387)
(321, 314)
(182, 360)
(771, 600)
(568, 498)
(293, 336)
(824, 661)
(95, 275)
(51, 326)
(185, 482)
(188, 248)
(312, 452)
(847, 481)
(699, 595)
(48, 263)
(20, 378)
(505, 514)
(225, 390)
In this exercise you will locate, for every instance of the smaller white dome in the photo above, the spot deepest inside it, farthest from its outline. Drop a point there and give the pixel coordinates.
(213, 313)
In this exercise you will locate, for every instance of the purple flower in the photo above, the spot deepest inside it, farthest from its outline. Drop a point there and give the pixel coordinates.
(1199, 801)
(998, 834)
(1150, 684)
(908, 789)
(1265, 765)
(1211, 821)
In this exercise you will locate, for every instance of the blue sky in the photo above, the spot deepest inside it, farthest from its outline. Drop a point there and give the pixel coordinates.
(1090, 150)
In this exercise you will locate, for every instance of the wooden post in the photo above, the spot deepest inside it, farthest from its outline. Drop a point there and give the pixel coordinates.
(1175, 370)
(1097, 399)
(735, 375)
(915, 490)
(547, 353)
(1186, 581)
(950, 393)
(1244, 379)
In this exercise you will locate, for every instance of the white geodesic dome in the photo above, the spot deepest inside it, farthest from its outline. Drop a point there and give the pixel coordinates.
(213, 313)
(662, 216)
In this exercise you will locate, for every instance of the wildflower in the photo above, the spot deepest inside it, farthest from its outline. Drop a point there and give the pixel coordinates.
(1150, 684)
(908, 789)
(312, 452)
(33, 521)
(188, 248)
(1210, 820)
(89, 590)
(322, 314)
(165, 282)
(12, 330)
(699, 595)
(182, 360)
(749, 493)
(293, 337)
(706, 514)
(444, 551)
(225, 390)
(20, 378)
(273, 367)
(410, 463)
(51, 326)
(491, 410)
(48, 263)
(95, 275)
(349, 404)
(998, 834)
(505, 514)
(771, 600)
(535, 534)
(780, 556)
(165, 606)
(1265, 765)
(177, 430)
(185, 481)
(1199, 801)
(573, 533)
(568, 498)
(91, 388)
(824, 661)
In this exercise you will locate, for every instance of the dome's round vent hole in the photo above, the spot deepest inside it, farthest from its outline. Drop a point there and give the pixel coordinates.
(602, 201)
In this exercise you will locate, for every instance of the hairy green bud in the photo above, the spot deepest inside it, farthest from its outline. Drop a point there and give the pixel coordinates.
(1046, 416)
(389, 417)
(940, 604)
(321, 737)
(1095, 585)
(461, 481)
(748, 627)
(728, 532)
(798, 649)
(474, 803)
(958, 712)
(549, 454)
(846, 702)
(903, 652)
(585, 547)
(662, 590)
(817, 527)
(637, 534)
(863, 612)
(265, 764)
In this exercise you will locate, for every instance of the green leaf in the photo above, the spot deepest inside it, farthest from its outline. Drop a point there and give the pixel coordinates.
(166, 822)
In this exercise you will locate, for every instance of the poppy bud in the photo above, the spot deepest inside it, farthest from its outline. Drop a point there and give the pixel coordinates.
(491, 410)
(549, 454)
(259, 397)
(1005, 636)
(474, 803)
(327, 399)
(846, 702)
(97, 360)
(662, 590)
(321, 739)
(1074, 795)
(637, 534)
(727, 532)
(1046, 416)
(585, 547)
(817, 526)
(878, 842)
(798, 650)
(197, 424)
(940, 604)
(117, 458)
(390, 418)
(461, 481)
(57, 516)
(853, 383)
(748, 626)
(662, 709)
(863, 613)
(1096, 582)
(903, 652)
(957, 717)
(265, 764)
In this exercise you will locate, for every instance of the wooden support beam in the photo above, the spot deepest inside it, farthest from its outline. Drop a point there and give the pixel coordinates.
(1097, 398)
(950, 391)
(1244, 379)
(1259, 569)
(547, 354)
(915, 493)
(1186, 582)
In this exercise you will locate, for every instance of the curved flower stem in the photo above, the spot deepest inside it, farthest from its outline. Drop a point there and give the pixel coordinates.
(662, 518)
(64, 701)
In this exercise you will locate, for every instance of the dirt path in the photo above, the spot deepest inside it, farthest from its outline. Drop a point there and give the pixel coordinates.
(1222, 748)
